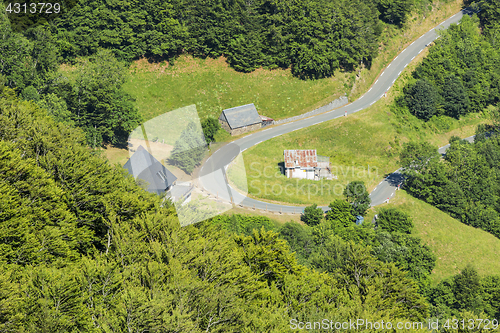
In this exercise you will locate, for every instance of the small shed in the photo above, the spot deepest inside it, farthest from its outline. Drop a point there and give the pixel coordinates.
(142, 165)
(307, 164)
(301, 164)
(266, 120)
(240, 119)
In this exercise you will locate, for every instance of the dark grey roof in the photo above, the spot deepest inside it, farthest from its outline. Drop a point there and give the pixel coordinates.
(240, 116)
(143, 165)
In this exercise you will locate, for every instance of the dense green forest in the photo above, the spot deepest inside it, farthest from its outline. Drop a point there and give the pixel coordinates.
(92, 100)
(466, 290)
(313, 243)
(313, 38)
(83, 248)
(461, 74)
(316, 247)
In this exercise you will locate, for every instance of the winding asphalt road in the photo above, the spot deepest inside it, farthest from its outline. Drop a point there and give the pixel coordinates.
(212, 176)
(387, 187)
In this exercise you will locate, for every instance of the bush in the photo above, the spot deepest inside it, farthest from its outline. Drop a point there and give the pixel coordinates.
(394, 220)
(312, 215)
(210, 127)
(358, 197)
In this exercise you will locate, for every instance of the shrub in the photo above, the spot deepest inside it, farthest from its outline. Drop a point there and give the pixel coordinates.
(394, 220)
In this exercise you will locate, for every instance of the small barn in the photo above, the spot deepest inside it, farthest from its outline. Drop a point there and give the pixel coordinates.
(306, 164)
(301, 163)
(242, 119)
(142, 165)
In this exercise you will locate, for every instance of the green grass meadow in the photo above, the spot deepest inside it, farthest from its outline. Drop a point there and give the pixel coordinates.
(212, 86)
(454, 243)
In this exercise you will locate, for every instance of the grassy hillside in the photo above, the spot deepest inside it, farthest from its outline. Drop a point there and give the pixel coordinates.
(454, 243)
(363, 146)
(213, 86)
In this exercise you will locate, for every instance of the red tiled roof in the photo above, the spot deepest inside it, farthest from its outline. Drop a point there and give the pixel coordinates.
(264, 118)
(301, 158)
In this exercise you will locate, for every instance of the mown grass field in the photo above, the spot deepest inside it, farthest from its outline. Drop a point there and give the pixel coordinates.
(454, 243)
(212, 86)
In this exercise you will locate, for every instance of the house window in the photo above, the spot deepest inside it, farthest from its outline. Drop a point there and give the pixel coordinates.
(161, 175)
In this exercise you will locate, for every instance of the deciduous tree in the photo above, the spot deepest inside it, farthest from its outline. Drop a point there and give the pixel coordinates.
(312, 215)
(422, 99)
(358, 197)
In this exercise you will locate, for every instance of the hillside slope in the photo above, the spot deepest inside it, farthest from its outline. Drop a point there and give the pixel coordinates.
(454, 243)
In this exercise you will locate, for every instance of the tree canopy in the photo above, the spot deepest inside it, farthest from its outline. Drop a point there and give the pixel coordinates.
(465, 184)
(84, 248)
(312, 215)
(358, 197)
(314, 37)
(461, 72)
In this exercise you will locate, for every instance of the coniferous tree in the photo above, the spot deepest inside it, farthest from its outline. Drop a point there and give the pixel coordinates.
(189, 149)
(394, 11)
